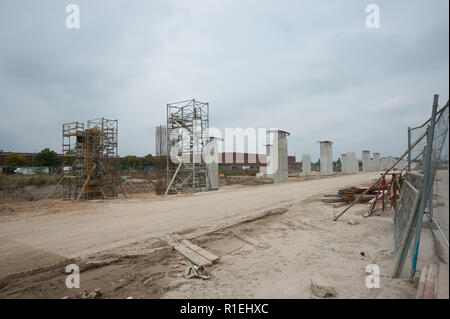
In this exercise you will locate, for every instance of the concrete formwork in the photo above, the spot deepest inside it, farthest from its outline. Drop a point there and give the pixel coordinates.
(306, 164)
(277, 155)
(326, 157)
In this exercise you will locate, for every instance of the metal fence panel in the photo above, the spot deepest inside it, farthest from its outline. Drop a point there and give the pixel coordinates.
(427, 188)
(404, 213)
(439, 203)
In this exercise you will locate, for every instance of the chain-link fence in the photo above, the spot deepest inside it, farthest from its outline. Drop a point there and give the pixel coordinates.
(439, 193)
(405, 210)
(425, 189)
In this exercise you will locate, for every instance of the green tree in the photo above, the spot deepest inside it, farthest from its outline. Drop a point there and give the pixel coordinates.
(46, 157)
(148, 160)
(14, 161)
(131, 161)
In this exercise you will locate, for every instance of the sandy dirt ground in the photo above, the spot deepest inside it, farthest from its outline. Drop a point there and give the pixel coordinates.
(272, 240)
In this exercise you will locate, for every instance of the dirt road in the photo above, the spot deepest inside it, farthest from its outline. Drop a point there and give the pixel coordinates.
(37, 238)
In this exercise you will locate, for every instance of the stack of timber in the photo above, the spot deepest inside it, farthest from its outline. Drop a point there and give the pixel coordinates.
(348, 195)
(195, 254)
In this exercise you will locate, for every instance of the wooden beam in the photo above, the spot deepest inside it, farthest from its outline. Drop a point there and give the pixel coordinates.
(86, 182)
(199, 250)
(173, 178)
(195, 258)
(333, 200)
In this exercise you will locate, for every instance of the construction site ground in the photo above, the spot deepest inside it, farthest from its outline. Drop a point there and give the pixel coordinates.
(272, 240)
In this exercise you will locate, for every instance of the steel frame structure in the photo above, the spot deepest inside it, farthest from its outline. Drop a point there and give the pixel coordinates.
(94, 173)
(188, 122)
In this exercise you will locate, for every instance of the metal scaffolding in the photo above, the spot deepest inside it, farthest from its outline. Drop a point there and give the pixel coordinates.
(187, 127)
(94, 172)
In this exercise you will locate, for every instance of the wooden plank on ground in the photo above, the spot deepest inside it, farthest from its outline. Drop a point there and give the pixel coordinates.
(333, 200)
(199, 250)
(195, 258)
(339, 205)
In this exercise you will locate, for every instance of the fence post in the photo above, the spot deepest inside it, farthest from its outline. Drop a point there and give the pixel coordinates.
(430, 201)
(409, 149)
(427, 182)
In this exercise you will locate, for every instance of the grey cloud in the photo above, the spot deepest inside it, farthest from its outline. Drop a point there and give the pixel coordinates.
(310, 68)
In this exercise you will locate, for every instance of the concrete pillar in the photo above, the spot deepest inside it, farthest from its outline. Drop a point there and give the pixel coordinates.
(213, 166)
(306, 164)
(387, 162)
(376, 162)
(384, 163)
(401, 165)
(326, 157)
(391, 161)
(277, 154)
(344, 163)
(352, 163)
(366, 161)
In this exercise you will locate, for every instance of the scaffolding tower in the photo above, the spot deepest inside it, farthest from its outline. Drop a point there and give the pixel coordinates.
(188, 121)
(94, 172)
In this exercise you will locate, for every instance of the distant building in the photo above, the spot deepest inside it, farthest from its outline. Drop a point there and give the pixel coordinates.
(293, 164)
(233, 160)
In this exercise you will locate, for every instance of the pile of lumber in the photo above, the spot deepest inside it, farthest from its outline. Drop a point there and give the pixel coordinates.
(195, 254)
(348, 195)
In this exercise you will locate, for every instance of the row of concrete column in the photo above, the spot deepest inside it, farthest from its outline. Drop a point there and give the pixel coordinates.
(278, 166)
(326, 157)
(377, 164)
(349, 162)
(277, 157)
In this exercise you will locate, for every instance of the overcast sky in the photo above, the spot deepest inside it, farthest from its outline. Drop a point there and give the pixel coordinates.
(312, 68)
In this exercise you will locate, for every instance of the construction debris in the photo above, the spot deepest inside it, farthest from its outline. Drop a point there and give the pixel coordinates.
(352, 221)
(321, 289)
(97, 293)
(196, 271)
(348, 195)
(210, 256)
(195, 254)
